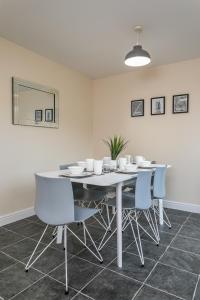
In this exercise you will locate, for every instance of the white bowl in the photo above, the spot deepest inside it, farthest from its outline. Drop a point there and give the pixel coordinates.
(82, 164)
(130, 168)
(76, 170)
(145, 163)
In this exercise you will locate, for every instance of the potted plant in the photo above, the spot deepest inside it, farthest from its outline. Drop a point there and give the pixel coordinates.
(116, 145)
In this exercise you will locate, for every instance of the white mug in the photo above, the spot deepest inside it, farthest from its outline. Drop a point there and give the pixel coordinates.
(82, 164)
(98, 166)
(122, 163)
(139, 159)
(128, 159)
(106, 160)
(90, 164)
(113, 164)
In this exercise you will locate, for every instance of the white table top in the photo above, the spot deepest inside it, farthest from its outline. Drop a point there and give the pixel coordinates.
(101, 180)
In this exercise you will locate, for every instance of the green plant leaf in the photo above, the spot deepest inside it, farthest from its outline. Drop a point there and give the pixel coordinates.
(116, 145)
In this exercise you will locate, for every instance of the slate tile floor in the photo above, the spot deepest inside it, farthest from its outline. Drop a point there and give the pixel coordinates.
(171, 271)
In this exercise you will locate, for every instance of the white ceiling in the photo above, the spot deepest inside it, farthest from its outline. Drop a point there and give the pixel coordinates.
(93, 36)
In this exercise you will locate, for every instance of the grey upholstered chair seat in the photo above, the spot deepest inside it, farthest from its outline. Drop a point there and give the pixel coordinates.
(81, 214)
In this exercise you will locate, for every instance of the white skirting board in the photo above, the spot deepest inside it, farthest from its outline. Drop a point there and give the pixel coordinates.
(16, 216)
(194, 208)
(25, 213)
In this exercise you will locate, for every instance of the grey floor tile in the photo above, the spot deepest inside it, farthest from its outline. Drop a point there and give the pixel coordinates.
(8, 238)
(76, 227)
(132, 267)
(195, 215)
(80, 296)
(34, 219)
(197, 293)
(5, 261)
(96, 232)
(26, 228)
(19, 223)
(165, 238)
(15, 279)
(109, 285)
(74, 245)
(47, 238)
(107, 253)
(49, 260)
(182, 260)
(79, 272)
(193, 221)
(177, 212)
(148, 293)
(174, 281)
(22, 249)
(190, 231)
(173, 230)
(46, 288)
(178, 219)
(150, 249)
(127, 240)
(186, 244)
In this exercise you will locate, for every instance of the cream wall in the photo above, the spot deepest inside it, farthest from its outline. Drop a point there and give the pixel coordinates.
(169, 138)
(25, 150)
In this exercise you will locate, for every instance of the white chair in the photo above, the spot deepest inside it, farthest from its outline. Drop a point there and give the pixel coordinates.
(88, 196)
(159, 191)
(133, 204)
(55, 206)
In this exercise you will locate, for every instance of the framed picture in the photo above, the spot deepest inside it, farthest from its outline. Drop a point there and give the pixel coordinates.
(180, 103)
(38, 115)
(49, 117)
(137, 108)
(158, 106)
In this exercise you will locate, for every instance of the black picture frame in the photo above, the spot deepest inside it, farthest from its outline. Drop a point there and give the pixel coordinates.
(158, 106)
(49, 115)
(137, 108)
(180, 108)
(38, 115)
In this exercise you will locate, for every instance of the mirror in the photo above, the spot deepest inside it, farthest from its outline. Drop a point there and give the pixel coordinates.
(34, 104)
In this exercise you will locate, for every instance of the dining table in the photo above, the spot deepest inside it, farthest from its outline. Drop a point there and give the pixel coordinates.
(105, 180)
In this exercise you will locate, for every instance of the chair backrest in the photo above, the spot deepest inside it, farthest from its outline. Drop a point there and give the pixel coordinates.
(159, 182)
(65, 166)
(143, 190)
(54, 203)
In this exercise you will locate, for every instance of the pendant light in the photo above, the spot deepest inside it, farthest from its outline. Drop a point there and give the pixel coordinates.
(137, 57)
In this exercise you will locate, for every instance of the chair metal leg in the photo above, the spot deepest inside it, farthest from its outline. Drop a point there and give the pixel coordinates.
(165, 218)
(100, 222)
(54, 231)
(99, 257)
(138, 243)
(108, 217)
(84, 233)
(145, 231)
(29, 263)
(160, 204)
(152, 226)
(168, 223)
(66, 272)
(103, 243)
(156, 223)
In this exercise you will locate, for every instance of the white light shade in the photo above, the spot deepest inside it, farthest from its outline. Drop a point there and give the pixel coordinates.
(137, 61)
(137, 57)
